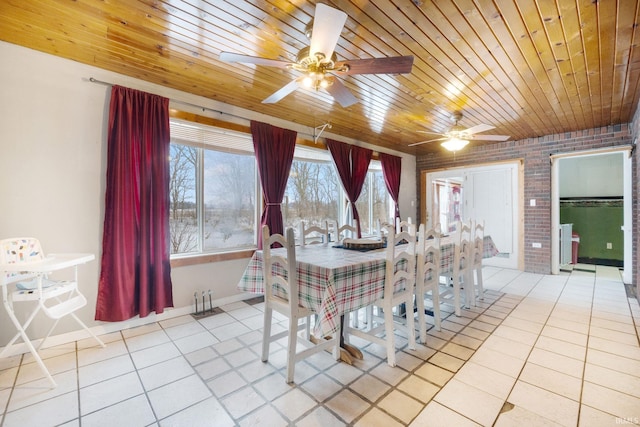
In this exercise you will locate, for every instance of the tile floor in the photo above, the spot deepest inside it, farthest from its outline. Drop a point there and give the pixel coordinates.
(541, 350)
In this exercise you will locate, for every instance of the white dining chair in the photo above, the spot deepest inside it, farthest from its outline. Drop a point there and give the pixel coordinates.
(345, 231)
(25, 269)
(475, 276)
(454, 293)
(313, 234)
(281, 293)
(428, 278)
(404, 225)
(399, 285)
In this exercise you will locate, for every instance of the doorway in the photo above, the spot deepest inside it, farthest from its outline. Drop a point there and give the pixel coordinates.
(594, 182)
(489, 193)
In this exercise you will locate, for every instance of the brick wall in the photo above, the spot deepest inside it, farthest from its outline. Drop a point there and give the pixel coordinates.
(535, 152)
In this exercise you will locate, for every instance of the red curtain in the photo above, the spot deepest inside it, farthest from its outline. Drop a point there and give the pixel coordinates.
(352, 163)
(391, 168)
(135, 276)
(273, 149)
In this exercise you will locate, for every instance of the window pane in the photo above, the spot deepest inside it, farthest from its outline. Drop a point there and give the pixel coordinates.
(183, 221)
(381, 200)
(229, 200)
(363, 206)
(312, 194)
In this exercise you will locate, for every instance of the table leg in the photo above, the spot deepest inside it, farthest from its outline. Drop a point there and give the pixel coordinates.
(352, 352)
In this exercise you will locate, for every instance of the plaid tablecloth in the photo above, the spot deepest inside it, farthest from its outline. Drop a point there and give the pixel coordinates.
(336, 281)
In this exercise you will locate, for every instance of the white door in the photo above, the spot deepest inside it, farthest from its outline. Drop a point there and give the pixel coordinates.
(490, 194)
(492, 204)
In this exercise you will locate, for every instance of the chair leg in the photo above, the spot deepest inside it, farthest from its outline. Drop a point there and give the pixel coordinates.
(456, 295)
(81, 323)
(390, 336)
(480, 284)
(266, 333)
(48, 334)
(411, 326)
(422, 321)
(27, 342)
(291, 347)
(435, 298)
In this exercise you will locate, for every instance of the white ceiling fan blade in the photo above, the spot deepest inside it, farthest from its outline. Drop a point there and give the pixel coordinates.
(246, 59)
(490, 137)
(283, 91)
(425, 142)
(478, 128)
(327, 26)
(341, 94)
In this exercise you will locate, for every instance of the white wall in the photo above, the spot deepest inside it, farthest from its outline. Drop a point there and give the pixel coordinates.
(53, 164)
(591, 176)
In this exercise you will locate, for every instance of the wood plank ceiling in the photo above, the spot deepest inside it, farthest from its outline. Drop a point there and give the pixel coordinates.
(529, 68)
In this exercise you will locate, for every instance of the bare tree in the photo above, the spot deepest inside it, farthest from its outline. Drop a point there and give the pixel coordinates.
(182, 220)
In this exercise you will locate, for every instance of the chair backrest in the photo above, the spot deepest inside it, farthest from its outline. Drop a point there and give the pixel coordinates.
(314, 234)
(16, 251)
(345, 231)
(463, 248)
(278, 271)
(400, 273)
(428, 248)
(404, 225)
(478, 242)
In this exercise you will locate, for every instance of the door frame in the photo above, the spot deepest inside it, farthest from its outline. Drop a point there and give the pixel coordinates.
(426, 197)
(627, 184)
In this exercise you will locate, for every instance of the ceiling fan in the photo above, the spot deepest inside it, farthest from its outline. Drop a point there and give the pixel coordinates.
(319, 63)
(458, 137)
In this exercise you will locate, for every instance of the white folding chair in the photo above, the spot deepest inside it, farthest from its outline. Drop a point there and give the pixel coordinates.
(428, 278)
(281, 293)
(313, 234)
(24, 267)
(400, 277)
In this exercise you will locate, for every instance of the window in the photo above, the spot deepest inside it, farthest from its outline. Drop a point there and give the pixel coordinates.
(313, 190)
(215, 200)
(374, 202)
(213, 187)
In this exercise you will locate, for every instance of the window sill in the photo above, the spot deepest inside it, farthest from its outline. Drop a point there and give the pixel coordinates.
(208, 258)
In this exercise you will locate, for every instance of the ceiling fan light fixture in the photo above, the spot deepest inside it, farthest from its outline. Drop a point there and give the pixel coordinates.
(455, 144)
(308, 81)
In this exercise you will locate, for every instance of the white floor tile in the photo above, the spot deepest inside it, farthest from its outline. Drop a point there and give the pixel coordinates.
(552, 380)
(544, 403)
(294, 404)
(518, 417)
(375, 418)
(321, 417)
(57, 410)
(486, 379)
(436, 414)
(401, 406)
(611, 401)
(210, 410)
(469, 401)
(179, 395)
(418, 388)
(109, 392)
(134, 411)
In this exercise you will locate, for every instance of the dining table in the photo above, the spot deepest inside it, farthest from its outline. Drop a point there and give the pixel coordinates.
(334, 281)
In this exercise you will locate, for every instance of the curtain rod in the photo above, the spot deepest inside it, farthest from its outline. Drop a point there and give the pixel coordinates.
(315, 138)
(94, 80)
